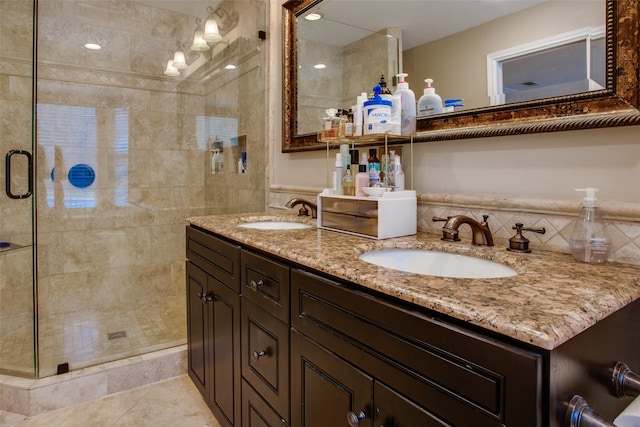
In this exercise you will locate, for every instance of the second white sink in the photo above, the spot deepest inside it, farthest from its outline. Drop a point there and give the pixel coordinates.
(435, 263)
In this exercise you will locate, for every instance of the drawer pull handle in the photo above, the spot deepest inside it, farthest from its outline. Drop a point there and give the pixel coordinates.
(579, 414)
(258, 354)
(353, 419)
(255, 285)
(625, 381)
(204, 297)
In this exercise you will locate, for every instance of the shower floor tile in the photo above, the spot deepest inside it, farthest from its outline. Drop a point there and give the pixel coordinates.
(81, 339)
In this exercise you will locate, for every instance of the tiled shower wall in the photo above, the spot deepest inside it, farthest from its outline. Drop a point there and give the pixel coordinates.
(118, 244)
(556, 216)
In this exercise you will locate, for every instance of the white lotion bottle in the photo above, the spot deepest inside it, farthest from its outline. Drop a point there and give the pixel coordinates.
(398, 175)
(430, 102)
(408, 106)
(589, 241)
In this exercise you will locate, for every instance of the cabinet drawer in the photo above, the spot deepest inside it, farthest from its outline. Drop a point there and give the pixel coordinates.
(217, 257)
(456, 374)
(265, 356)
(266, 283)
(256, 412)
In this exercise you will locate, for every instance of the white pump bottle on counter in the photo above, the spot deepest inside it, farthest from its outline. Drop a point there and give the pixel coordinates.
(589, 241)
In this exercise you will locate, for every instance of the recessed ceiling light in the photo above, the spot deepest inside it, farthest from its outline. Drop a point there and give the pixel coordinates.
(313, 16)
(230, 67)
(319, 66)
(93, 46)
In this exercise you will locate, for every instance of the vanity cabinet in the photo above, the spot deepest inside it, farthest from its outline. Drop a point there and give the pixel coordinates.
(213, 323)
(274, 343)
(394, 366)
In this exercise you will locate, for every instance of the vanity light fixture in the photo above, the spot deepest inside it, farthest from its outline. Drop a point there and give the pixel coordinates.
(199, 44)
(93, 46)
(217, 24)
(313, 16)
(171, 70)
(179, 60)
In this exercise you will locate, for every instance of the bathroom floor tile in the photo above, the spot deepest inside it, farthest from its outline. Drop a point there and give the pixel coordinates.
(174, 402)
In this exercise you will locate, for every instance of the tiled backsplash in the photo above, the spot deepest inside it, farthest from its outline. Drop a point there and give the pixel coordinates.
(556, 216)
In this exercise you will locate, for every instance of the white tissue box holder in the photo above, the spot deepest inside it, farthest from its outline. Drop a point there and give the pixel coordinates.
(394, 214)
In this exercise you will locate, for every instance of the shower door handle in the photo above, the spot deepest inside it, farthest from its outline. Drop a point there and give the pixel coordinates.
(8, 174)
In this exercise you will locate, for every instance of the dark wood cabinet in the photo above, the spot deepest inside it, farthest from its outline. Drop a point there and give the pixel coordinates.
(272, 343)
(213, 324)
(431, 372)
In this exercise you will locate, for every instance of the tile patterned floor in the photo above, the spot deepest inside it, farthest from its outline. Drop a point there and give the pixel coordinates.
(82, 338)
(171, 403)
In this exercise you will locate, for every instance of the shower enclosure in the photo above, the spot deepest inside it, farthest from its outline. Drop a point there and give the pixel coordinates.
(105, 158)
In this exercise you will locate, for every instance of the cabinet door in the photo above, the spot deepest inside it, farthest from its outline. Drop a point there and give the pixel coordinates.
(225, 353)
(328, 387)
(395, 410)
(197, 329)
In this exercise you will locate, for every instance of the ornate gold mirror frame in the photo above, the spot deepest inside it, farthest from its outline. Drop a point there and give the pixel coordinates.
(617, 105)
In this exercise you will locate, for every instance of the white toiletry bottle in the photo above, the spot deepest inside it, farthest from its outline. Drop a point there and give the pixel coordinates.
(408, 106)
(589, 241)
(377, 114)
(337, 175)
(430, 102)
(398, 175)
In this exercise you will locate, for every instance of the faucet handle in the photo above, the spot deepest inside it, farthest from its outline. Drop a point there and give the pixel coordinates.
(484, 222)
(519, 243)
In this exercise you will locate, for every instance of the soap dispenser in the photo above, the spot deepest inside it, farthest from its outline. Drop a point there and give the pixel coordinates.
(589, 241)
(430, 102)
(408, 106)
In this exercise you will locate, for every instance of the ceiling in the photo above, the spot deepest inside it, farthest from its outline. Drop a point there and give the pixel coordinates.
(421, 21)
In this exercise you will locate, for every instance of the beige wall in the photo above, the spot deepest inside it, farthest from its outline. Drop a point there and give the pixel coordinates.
(458, 64)
(530, 178)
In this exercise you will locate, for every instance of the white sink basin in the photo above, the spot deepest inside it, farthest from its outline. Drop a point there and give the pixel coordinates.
(435, 263)
(274, 225)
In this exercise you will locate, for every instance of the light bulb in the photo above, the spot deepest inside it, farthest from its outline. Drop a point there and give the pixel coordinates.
(211, 32)
(199, 44)
(171, 70)
(179, 60)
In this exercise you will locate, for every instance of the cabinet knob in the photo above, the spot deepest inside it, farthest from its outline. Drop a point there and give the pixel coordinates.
(625, 381)
(354, 419)
(258, 354)
(205, 297)
(579, 414)
(255, 285)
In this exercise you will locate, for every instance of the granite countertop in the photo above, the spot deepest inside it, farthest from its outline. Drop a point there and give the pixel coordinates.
(550, 300)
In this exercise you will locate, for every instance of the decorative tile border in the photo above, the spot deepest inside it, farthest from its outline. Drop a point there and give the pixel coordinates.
(556, 216)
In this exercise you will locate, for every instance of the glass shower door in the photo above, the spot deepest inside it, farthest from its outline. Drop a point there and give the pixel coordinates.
(17, 279)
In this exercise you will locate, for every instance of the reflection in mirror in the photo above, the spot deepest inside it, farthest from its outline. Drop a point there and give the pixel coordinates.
(337, 62)
(546, 50)
(490, 61)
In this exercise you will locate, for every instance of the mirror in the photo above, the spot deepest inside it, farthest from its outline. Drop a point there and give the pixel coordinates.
(612, 101)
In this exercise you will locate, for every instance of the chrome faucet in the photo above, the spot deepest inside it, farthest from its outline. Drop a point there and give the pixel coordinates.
(481, 235)
(303, 211)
